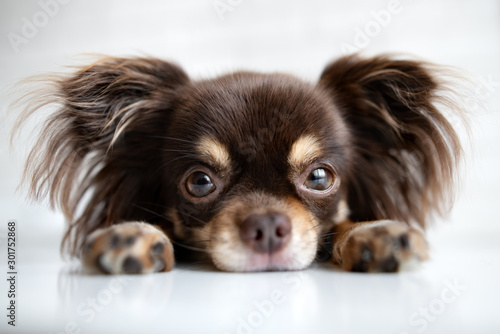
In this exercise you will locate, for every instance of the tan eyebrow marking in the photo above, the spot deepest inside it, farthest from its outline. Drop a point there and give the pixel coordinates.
(215, 152)
(304, 151)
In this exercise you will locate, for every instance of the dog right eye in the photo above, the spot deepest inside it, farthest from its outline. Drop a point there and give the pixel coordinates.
(199, 185)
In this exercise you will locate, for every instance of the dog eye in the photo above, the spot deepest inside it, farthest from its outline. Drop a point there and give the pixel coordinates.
(199, 184)
(319, 179)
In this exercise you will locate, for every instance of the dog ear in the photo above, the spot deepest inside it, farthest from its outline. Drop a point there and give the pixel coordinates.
(103, 141)
(405, 151)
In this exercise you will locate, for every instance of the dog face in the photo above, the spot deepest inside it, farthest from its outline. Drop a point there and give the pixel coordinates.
(257, 166)
(253, 169)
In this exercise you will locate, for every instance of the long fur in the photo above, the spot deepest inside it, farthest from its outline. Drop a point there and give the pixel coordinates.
(405, 151)
(99, 158)
(100, 143)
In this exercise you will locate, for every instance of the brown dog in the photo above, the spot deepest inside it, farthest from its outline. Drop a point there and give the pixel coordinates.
(256, 171)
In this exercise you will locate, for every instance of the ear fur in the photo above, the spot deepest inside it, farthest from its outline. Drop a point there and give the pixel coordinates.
(102, 142)
(405, 152)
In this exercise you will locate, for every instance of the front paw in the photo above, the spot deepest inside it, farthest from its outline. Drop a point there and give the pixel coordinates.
(382, 246)
(128, 248)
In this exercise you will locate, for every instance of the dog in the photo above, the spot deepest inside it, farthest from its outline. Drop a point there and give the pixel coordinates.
(251, 171)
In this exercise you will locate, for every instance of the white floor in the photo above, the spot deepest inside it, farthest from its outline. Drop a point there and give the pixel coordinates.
(457, 291)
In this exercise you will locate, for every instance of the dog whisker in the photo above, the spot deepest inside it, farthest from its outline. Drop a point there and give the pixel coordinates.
(197, 249)
(172, 138)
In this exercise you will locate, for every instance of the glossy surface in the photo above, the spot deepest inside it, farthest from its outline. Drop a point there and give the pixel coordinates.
(455, 292)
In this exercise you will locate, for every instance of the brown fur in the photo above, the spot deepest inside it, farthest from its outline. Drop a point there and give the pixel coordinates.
(126, 130)
(105, 112)
(405, 151)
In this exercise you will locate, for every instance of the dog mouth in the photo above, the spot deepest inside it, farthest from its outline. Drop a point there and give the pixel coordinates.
(245, 260)
(267, 239)
(280, 261)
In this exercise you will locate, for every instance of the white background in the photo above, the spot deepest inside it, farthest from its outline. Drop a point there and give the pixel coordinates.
(298, 37)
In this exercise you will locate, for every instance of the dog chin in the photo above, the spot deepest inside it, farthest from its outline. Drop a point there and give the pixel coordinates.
(258, 262)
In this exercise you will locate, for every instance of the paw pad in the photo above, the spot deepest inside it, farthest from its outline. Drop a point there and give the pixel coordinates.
(384, 247)
(131, 265)
(128, 248)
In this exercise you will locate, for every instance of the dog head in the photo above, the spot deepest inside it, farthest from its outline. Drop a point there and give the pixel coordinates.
(254, 168)
(257, 164)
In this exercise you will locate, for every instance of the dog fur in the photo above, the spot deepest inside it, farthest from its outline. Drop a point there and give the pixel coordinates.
(127, 136)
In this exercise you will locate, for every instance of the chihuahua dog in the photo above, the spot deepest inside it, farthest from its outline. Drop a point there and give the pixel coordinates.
(256, 172)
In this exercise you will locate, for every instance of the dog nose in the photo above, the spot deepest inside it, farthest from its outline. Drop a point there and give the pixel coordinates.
(266, 233)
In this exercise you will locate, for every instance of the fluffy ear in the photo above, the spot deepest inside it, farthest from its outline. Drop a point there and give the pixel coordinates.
(405, 151)
(103, 141)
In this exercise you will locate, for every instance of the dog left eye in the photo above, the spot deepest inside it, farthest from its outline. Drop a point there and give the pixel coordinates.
(199, 184)
(319, 179)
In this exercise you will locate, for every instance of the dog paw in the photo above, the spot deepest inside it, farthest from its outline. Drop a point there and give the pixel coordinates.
(128, 248)
(382, 246)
